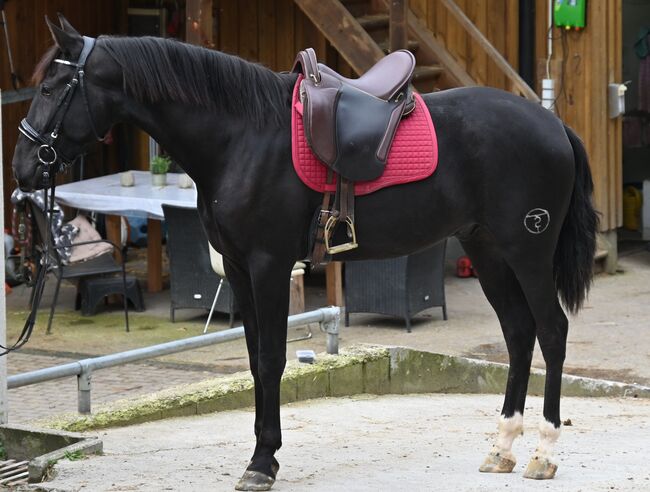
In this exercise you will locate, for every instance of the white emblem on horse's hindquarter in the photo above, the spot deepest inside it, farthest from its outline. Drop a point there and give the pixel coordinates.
(537, 220)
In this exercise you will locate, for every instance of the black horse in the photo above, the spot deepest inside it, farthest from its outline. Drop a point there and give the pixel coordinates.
(513, 184)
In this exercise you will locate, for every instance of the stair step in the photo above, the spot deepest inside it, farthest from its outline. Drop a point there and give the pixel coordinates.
(426, 72)
(375, 21)
(412, 46)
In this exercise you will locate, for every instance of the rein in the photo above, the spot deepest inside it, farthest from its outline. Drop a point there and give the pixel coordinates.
(52, 162)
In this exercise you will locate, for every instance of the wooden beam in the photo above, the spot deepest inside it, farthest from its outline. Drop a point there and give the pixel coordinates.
(344, 32)
(334, 281)
(518, 83)
(397, 27)
(198, 23)
(455, 74)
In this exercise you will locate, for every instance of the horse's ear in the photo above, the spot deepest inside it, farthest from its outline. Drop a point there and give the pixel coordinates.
(66, 26)
(69, 43)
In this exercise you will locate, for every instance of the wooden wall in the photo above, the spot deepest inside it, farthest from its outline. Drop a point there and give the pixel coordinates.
(267, 31)
(30, 38)
(584, 63)
(498, 20)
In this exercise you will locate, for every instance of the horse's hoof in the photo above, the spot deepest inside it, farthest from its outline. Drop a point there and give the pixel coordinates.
(496, 462)
(253, 480)
(540, 468)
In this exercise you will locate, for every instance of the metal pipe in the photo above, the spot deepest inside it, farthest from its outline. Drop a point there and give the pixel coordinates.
(323, 315)
(527, 41)
(397, 27)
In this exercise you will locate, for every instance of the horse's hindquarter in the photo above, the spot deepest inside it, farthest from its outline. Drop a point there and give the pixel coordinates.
(500, 156)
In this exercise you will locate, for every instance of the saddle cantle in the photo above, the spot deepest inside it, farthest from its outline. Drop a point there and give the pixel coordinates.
(350, 123)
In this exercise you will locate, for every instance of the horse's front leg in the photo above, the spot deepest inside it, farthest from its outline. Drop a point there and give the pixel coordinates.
(266, 337)
(240, 283)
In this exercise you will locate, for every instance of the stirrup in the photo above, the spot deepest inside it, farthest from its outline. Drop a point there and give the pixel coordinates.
(329, 229)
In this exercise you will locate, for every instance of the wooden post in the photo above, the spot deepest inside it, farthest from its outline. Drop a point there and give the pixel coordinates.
(334, 282)
(114, 232)
(398, 29)
(154, 255)
(198, 23)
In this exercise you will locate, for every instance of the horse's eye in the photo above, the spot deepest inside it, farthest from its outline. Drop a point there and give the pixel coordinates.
(46, 91)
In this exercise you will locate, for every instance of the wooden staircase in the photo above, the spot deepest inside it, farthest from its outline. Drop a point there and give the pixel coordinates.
(359, 31)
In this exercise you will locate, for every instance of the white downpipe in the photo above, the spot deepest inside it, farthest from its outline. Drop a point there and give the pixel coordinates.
(548, 84)
(549, 36)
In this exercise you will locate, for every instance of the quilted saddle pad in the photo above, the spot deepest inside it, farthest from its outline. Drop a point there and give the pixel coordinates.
(413, 154)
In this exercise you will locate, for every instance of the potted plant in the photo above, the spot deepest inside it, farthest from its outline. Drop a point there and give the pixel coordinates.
(159, 167)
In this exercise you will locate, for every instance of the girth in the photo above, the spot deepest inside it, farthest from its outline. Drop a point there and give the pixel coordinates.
(350, 125)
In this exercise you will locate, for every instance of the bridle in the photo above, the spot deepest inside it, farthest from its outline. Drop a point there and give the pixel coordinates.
(53, 161)
(47, 137)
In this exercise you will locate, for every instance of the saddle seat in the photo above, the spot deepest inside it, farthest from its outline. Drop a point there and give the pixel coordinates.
(384, 79)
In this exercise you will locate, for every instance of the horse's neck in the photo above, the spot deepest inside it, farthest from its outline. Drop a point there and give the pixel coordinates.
(187, 133)
(206, 143)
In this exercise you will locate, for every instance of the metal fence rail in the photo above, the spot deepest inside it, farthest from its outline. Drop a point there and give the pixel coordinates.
(328, 318)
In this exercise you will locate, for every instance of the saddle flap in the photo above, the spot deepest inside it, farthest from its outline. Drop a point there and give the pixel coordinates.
(319, 116)
(364, 127)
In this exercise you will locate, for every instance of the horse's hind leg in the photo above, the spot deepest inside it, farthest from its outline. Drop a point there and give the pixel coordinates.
(504, 293)
(552, 328)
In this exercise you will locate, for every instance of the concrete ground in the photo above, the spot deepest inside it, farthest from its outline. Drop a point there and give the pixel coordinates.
(372, 443)
(609, 339)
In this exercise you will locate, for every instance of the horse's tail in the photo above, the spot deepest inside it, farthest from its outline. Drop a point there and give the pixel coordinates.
(576, 247)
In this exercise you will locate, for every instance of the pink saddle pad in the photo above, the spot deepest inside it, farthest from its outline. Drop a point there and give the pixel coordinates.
(413, 154)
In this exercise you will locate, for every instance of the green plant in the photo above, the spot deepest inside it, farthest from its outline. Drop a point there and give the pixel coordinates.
(73, 455)
(3, 453)
(160, 164)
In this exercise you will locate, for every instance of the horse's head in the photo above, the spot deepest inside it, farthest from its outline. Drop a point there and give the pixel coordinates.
(69, 110)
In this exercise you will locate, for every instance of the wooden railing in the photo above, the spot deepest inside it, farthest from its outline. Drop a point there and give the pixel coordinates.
(518, 85)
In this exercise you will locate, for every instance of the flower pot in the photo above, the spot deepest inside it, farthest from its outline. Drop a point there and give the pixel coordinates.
(159, 179)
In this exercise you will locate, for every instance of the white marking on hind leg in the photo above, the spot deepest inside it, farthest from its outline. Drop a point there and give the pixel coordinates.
(509, 429)
(548, 436)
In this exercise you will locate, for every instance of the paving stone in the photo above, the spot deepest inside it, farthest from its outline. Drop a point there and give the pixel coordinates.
(60, 396)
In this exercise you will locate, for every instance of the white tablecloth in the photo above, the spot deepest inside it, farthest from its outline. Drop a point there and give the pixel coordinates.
(105, 194)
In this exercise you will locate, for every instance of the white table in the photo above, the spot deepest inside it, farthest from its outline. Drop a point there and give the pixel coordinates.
(106, 195)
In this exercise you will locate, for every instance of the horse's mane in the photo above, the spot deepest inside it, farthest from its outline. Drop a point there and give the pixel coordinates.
(157, 69)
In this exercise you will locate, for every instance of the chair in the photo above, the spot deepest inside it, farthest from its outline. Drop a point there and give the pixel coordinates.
(101, 265)
(296, 304)
(216, 261)
(401, 286)
(193, 282)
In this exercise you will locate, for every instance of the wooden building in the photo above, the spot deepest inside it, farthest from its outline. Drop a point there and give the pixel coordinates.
(456, 42)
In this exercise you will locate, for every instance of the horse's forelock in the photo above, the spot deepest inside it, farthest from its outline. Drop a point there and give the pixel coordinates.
(41, 67)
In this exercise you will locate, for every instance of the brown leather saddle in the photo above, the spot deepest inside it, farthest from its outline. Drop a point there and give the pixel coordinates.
(350, 125)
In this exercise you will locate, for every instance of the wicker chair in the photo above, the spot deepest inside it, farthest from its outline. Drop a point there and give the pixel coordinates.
(193, 282)
(401, 286)
(96, 267)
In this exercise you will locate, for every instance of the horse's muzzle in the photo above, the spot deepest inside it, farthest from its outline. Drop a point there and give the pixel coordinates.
(30, 180)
